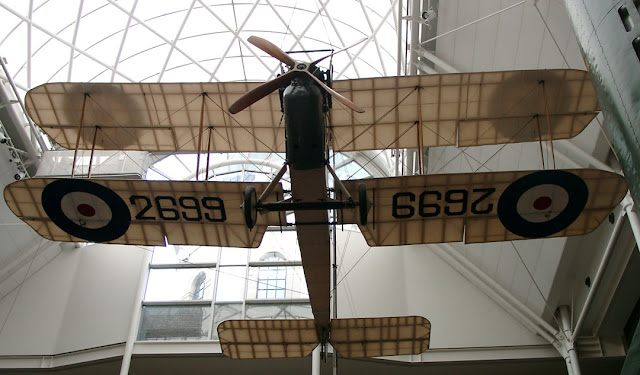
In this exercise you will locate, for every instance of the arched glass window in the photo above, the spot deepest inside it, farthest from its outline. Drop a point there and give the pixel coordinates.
(198, 285)
(272, 280)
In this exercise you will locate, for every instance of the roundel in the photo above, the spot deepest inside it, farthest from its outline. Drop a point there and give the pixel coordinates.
(542, 203)
(86, 210)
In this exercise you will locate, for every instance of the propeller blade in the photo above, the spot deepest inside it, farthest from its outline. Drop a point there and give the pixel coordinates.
(272, 50)
(313, 64)
(336, 95)
(262, 91)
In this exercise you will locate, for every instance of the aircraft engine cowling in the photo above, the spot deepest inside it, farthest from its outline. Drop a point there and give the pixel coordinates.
(305, 125)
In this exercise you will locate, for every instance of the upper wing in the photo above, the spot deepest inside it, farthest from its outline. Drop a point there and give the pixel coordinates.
(465, 109)
(156, 116)
(487, 207)
(138, 212)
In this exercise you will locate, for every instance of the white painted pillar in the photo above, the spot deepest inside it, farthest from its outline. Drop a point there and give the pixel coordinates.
(600, 273)
(573, 366)
(315, 361)
(135, 315)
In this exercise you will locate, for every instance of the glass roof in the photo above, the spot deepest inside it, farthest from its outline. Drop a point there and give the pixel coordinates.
(191, 41)
(187, 41)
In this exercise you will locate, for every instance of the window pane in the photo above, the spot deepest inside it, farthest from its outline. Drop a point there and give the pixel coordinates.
(285, 243)
(175, 322)
(184, 254)
(182, 284)
(289, 281)
(279, 311)
(225, 311)
(234, 256)
(231, 284)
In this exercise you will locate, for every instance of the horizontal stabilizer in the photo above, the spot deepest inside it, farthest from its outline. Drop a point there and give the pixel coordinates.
(485, 207)
(351, 338)
(137, 212)
(243, 339)
(375, 337)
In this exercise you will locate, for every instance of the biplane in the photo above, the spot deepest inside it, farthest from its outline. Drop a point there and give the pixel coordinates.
(466, 109)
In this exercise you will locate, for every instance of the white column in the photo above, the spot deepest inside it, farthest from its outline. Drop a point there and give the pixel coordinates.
(573, 366)
(135, 315)
(315, 361)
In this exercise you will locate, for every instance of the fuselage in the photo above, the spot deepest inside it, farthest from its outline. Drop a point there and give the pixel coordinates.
(304, 122)
(305, 131)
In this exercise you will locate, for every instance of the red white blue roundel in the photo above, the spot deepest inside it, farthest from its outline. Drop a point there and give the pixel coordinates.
(86, 210)
(542, 203)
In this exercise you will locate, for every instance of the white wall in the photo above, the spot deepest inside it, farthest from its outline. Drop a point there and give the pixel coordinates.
(414, 280)
(82, 299)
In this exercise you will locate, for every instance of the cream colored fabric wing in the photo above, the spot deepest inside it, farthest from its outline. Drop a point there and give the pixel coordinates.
(464, 207)
(375, 337)
(185, 212)
(243, 339)
(156, 117)
(464, 109)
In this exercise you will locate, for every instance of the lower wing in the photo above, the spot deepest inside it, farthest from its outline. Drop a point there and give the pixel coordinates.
(139, 212)
(486, 207)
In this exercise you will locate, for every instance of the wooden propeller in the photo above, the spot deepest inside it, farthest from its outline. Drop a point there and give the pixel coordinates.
(296, 70)
(272, 50)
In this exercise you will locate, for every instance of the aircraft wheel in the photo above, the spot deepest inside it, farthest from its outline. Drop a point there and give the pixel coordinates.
(249, 207)
(363, 204)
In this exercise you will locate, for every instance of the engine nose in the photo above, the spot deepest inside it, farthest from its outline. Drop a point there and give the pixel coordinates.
(304, 122)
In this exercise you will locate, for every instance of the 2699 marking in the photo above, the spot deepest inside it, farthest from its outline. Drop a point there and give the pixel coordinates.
(457, 199)
(187, 208)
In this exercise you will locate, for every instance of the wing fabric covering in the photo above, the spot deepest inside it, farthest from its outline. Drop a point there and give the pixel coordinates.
(464, 109)
(185, 212)
(156, 116)
(464, 207)
(352, 338)
(376, 337)
(241, 339)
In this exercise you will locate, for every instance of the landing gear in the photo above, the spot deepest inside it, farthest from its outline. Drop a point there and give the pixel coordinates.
(249, 207)
(363, 204)
(252, 203)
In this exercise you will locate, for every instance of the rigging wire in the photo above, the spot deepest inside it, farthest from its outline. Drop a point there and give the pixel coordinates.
(533, 280)
(26, 277)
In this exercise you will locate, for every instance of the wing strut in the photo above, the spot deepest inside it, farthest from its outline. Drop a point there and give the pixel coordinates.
(273, 184)
(420, 139)
(339, 183)
(546, 108)
(75, 154)
(93, 148)
(204, 95)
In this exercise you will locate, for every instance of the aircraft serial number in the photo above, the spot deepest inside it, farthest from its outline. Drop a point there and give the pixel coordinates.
(456, 203)
(187, 208)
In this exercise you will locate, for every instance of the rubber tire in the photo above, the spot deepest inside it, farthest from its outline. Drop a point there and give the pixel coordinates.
(249, 207)
(363, 204)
